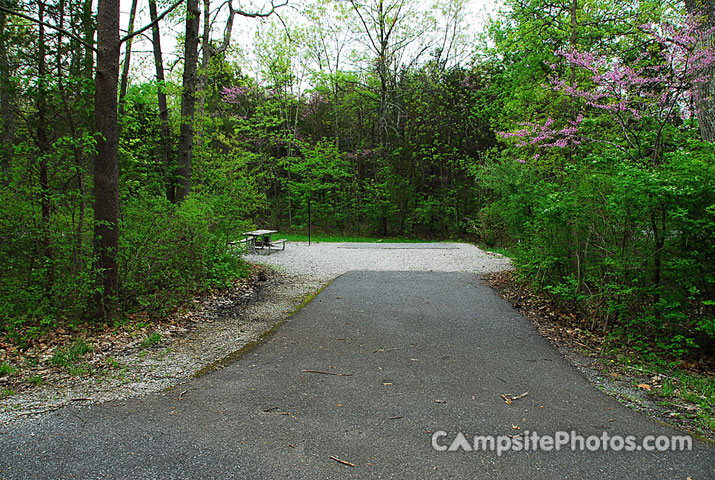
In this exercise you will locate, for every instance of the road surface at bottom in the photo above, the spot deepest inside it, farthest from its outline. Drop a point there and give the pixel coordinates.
(421, 356)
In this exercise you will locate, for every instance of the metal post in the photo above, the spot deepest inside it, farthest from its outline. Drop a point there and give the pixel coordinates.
(309, 219)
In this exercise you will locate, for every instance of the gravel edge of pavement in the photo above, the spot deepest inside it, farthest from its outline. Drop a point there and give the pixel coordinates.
(223, 330)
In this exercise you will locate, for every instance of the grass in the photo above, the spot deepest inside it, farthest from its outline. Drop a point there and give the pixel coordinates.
(507, 252)
(678, 386)
(7, 370)
(71, 358)
(151, 339)
(320, 237)
(7, 392)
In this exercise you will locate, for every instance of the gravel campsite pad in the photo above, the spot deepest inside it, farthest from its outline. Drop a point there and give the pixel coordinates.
(224, 323)
(328, 260)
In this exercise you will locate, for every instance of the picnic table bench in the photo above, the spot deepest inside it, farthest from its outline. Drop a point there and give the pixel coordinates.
(260, 240)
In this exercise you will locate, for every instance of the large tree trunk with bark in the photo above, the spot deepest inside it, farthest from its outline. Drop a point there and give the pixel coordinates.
(705, 100)
(164, 132)
(7, 117)
(188, 99)
(106, 171)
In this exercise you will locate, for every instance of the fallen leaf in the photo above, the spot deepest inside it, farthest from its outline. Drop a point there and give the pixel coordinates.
(644, 386)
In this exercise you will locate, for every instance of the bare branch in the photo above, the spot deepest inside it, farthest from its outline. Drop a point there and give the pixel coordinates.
(45, 24)
(285, 27)
(229, 29)
(263, 14)
(151, 24)
(364, 24)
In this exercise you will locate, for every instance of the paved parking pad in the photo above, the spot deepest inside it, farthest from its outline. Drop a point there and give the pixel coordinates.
(356, 385)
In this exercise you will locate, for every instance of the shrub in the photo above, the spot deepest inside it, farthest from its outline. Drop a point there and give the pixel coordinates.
(631, 245)
(168, 251)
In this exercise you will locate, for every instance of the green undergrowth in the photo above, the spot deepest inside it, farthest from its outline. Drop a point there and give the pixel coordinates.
(71, 357)
(687, 393)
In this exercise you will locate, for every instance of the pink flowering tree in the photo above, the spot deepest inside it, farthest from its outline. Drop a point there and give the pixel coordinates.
(242, 97)
(636, 100)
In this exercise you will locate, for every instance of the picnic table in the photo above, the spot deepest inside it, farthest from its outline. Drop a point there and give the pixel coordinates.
(261, 240)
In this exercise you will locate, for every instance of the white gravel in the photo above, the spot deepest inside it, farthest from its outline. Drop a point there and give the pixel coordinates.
(328, 260)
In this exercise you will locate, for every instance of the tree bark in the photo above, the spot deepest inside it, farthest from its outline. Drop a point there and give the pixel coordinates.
(164, 132)
(206, 54)
(88, 28)
(188, 99)
(43, 145)
(127, 58)
(106, 170)
(7, 139)
(705, 100)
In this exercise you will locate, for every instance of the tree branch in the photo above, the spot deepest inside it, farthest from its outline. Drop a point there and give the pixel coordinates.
(228, 31)
(151, 24)
(53, 27)
(263, 14)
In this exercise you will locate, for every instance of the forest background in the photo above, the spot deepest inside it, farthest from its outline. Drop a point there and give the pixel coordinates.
(575, 134)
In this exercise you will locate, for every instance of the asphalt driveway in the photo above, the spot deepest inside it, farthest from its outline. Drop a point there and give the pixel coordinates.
(357, 384)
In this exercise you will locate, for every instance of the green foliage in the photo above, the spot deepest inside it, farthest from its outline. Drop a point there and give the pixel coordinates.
(592, 235)
(321, 237)
(169, 251)
(71, 356)
(6, 392)
(388, 149)
(7, 370)
(36, 290)
(151, 339)
(139, 141)
(323, 178)
(619, 224)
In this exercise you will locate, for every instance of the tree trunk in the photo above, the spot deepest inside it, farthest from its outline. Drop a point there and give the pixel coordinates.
(127, 58)
(43, 145)
(188, 99)
(88, 32)
(705, 100)
(7, 139)
(208, 51)
(71, 121)
(106, 170)
(164, 132)
(75, 48)
(205, 58)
